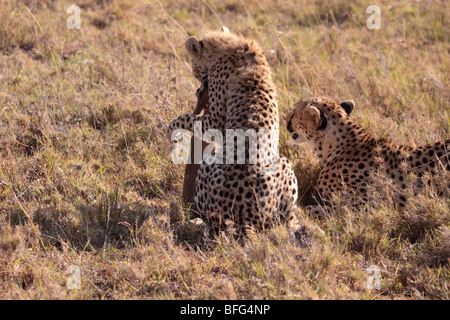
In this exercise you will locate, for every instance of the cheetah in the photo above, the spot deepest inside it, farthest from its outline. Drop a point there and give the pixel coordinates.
(243, 195)
(349, 155)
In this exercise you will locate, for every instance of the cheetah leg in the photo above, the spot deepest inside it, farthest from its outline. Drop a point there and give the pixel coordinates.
(187, 122)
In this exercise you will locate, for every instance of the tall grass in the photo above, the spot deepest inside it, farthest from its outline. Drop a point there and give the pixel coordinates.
(86, 177)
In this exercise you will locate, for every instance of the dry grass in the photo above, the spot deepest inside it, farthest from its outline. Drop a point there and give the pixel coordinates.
(86, 177)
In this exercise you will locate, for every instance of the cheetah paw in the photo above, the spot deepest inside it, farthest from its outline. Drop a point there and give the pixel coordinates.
(317, 212)
(303, 236)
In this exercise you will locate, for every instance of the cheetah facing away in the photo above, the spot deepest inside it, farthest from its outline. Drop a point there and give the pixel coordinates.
(242, 195)
(349, 155)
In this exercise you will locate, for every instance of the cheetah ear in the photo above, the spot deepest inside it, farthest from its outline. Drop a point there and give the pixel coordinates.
(225, 29)
(317, 117)
(348, 106)
(193, 46)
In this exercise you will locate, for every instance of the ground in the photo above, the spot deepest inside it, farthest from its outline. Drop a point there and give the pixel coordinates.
(86, 177)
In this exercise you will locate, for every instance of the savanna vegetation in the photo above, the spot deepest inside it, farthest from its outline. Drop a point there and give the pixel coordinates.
(86, 177)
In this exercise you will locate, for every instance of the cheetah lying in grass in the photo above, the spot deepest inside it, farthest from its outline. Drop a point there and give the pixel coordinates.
(349, 155)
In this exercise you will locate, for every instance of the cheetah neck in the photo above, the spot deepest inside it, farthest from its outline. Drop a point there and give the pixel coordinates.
(342, 139)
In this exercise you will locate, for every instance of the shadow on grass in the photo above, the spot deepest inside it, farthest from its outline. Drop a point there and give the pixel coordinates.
(92, 226)
(88, 226)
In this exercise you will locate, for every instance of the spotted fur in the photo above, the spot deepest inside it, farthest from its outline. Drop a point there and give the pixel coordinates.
(349, 155)
(241, 95)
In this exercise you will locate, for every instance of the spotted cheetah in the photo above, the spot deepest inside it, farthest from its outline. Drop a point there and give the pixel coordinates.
(349, 155)
(241, 196)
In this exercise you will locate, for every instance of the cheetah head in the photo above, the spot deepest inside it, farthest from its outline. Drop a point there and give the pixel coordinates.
(195, 49)
(315, 120)
(201, 52)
